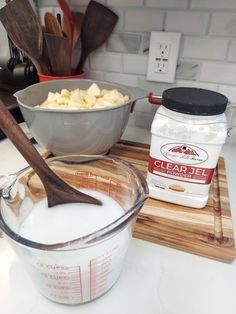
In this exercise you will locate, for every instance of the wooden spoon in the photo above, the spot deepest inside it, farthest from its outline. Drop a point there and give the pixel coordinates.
(58, 192)
(98, 23)
(22, 26)
(52, 25)
(68, 19)
(78, 19)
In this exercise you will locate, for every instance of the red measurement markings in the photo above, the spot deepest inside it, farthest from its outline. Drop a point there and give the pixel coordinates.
(90, 279)
(80, 281)
(86, 180)
(101, 183)
(100, 269)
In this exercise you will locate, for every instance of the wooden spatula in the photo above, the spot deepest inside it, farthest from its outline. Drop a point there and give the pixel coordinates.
(22, 26)
(98, 23)
(59, 54)
(58, 192)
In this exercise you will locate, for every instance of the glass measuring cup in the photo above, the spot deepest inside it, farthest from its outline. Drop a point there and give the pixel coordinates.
(84, 268)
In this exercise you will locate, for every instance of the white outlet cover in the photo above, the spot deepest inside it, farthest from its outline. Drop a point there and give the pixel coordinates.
(162, 62)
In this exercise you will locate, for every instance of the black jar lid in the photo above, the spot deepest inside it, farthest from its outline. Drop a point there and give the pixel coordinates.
(194, 101)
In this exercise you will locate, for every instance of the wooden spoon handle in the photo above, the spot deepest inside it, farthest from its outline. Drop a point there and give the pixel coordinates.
(68, 23)
(10, 127)
(58, 192)
(41, 66)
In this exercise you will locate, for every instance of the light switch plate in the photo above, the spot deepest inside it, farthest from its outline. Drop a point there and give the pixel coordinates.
(163, 56)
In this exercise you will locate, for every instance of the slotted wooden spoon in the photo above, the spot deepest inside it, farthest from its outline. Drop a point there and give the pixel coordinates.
(52, 26)
(58, 192)
(22, 26)
(98, 23)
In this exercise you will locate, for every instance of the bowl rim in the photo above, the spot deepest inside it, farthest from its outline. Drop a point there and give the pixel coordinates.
(131, 100)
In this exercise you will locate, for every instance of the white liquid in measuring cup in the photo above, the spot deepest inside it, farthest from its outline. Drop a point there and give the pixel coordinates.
(69, 221)
(77, 275)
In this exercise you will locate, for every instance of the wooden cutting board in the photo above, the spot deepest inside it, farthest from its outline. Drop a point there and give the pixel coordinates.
(206, 232)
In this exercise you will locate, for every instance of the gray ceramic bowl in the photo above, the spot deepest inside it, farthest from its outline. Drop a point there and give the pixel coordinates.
(64, 132)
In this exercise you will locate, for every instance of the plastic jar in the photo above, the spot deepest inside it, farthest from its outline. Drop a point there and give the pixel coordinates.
(188, 132)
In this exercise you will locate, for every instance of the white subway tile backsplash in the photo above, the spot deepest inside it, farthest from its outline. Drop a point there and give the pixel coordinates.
(223, 24)
(120, 78)
(43, 3)
(143, 20)
(224, 73)
(228, 91)
(176, 4)
(105, 61)
(136, 64)
(232, 51)
(41, 13)
(204, 48)
(187, 70)
(213, 4)
(145, 43)
(95, 75)
(156, 88)
(124, 42)
(186, 22)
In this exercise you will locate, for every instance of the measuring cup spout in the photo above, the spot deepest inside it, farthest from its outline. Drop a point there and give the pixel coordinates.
(7, 182)
(18, 94)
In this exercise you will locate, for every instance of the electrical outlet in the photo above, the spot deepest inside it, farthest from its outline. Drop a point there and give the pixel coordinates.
(163, 56)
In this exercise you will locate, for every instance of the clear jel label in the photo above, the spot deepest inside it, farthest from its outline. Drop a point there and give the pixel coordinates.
(180, 172)
(180, 167)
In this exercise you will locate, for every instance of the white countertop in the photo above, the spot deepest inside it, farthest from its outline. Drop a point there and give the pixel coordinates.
(155, 279)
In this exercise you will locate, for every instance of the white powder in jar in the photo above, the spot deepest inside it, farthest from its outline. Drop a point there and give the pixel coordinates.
(188, 132)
